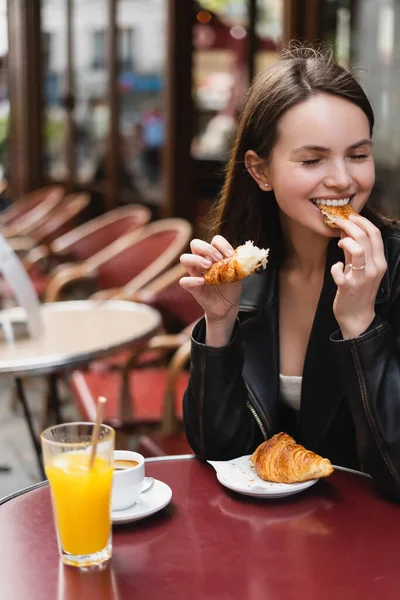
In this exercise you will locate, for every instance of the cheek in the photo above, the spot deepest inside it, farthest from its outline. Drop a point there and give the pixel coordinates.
(371, 177)
(366, 176)
(297, 183)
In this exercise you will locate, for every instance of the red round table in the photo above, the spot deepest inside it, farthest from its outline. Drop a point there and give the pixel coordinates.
(337, 540)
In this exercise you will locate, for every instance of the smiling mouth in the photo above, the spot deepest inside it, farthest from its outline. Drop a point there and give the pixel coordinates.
(332, 201)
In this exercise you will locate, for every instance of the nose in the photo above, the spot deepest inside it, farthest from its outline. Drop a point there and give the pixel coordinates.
(338, 175)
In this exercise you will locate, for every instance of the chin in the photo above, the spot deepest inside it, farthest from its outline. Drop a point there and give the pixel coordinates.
(333, 233)
(326, 231)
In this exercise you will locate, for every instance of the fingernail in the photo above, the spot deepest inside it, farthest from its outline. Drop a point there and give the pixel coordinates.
(230, 252)
(206, 263)
(218, 255)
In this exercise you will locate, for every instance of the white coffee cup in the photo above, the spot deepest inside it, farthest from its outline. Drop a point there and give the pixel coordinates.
(128, 480)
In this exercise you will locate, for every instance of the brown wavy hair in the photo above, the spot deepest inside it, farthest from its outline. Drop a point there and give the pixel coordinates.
(243, 212)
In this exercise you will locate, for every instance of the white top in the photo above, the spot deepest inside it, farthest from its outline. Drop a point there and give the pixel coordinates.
(290, 390)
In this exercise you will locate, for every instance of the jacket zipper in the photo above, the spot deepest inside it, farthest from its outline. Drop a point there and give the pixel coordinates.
(253, 411)
(257, 419)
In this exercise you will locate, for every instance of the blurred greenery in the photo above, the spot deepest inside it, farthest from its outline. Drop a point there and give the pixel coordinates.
(54, 131)
(215, 5)
(3, 136)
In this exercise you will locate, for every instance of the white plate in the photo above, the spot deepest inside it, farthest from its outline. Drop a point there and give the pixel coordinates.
(240, 476)
(151, 501)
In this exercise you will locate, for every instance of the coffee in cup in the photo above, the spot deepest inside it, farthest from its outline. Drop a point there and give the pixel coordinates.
(121, 464)
(128, 479)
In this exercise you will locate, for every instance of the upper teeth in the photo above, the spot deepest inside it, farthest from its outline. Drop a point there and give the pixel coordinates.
(339, 202)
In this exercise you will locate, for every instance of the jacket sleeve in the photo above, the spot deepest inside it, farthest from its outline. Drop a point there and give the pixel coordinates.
(218, 423)
(370, 365)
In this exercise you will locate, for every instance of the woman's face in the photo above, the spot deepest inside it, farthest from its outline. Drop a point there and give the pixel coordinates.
(323, 152)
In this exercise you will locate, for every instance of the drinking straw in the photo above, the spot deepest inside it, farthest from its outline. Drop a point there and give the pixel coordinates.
(96, 430)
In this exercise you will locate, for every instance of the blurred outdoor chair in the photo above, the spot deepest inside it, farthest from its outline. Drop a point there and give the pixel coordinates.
(178, 309)
(64, 217)
(126, 265)
(59, 221)
(147, 386)
(86, 240)
(24, 215)
(141, 401)
(177, 306)
(20, 207)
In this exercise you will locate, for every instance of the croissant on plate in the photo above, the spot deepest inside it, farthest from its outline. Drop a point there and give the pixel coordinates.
(246, 259)
(281, 460)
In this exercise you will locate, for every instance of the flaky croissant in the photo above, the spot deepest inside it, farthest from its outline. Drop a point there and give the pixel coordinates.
(331, 212)
(281, 460)
(246, 259)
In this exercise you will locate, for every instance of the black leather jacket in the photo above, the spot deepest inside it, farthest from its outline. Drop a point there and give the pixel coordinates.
(350, 400)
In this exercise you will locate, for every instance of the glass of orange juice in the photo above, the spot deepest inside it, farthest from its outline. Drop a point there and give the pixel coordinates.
(81, 495)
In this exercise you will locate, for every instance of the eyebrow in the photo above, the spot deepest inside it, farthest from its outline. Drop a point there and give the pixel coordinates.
(323, 149)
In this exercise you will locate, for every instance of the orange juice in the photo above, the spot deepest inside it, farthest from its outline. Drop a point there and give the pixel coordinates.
(81, 501)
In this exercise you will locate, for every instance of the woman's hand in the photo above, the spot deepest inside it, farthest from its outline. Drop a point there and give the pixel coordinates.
(217, 300)
(220, 302)
(358, 284)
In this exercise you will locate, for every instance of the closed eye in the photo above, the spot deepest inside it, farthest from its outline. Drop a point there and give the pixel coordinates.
(312, 161)
(359, 156)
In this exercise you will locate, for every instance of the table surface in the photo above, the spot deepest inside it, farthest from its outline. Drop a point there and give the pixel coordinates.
(76, 332)
(337, 540)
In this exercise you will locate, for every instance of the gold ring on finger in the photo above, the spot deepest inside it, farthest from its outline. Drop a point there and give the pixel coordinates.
(356, 268)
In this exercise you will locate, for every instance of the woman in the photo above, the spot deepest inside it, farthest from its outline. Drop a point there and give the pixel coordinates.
(311, 345)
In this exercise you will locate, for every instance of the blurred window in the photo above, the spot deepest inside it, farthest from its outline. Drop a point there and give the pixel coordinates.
(125, 49)
(91, 113)
(269, 32)
(99, 44)
(54, 56)
(142, 34)
(47, 46)
(141, 49)
(220, 71)
(4, 101)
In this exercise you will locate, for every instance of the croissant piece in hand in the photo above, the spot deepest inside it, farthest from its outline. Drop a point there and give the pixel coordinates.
(281, 460)
(331, 212)
(246, 259)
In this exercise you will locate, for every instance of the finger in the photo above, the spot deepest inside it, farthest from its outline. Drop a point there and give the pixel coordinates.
(354, 252)
(375, 236)
(194, 264)
(356, 233)
(347, 255)
(191, 283)
(206, 250)
(222, 245)
(337, 272)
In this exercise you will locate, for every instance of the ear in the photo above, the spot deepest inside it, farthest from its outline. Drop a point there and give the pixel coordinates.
(257, 168)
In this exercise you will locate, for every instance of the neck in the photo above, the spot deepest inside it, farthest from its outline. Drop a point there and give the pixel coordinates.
(305, 249)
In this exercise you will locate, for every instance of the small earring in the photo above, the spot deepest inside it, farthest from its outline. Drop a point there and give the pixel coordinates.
(266, 184)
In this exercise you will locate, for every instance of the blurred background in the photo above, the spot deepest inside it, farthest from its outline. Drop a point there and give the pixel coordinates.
(137, 100)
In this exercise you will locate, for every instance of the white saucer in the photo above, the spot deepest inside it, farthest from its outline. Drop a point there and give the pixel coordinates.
(151, 501)
(239, 475)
